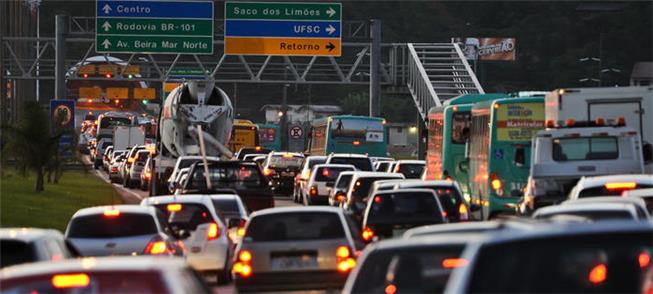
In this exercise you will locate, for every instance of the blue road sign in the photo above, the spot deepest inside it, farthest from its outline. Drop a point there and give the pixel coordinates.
(65, 110)
(264, 28)
(159, 9)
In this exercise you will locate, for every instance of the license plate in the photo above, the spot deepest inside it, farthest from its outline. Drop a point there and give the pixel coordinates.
(294, 262)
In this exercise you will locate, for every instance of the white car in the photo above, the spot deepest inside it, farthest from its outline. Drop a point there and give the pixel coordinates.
(359, 188)
(184, 162)
(360, 161)
(338, 193)
(304, 174)
(322, 175)
(117, 159)
(613, 185)
(590, 211)
(411, 169)
(132, 274)
(638, 203)
(645, 194)
(137, 167)
(177, 182)
(195, 221)
(24, 245)
(234, 211)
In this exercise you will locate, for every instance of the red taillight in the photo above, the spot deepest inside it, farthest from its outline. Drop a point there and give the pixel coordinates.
(343, 252)
(390, 289)
(268, 172)
(453, 262)
(340, 197)
(243, 266)
(70, 281)
(156, 248)
(174, 207)
(463, 212)
(213, 231)
(313, 191)
(114, 169)
(345, 261)
(367, 234)
(644, 260)
(598, 274)
(325, 172)
(112, 213)
(245, 256)
(356, 143)
(377, 199)
(147, 175)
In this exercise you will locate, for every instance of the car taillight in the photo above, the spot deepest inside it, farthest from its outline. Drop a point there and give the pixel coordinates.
(313, 191)
(268, 172)
(598, 274)
(644, 260)
(390, 289)
(367, 234)
(114, 169)
(156, 247)
(463, 212)
(70, 281)
(621, 186)
(112, 213)
(340, 197)
(345, 261)
(243, 266)
(147, 175)
(449, 263)
(213, 231)
(174, 207)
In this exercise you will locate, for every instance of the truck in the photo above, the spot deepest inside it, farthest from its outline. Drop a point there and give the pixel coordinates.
(106, 122)
(589, 132)
(125, 137)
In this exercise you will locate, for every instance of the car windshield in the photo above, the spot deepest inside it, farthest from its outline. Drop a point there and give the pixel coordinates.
(404, 208)
(329, 174)
(607, 190)
(16, 252)
(122, 225)
(410, 270)
(362, 186)
(411, 170)
(362, 164)
(295, 226)
(285, 161)
(185, 216)
(593, 263)
(227, 176)
(586, 148)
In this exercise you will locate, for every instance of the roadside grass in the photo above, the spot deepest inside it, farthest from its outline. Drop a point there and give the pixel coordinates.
(20, 206)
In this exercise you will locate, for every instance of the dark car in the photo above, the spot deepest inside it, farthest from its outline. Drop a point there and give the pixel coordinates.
(246, 178)
(281, 168)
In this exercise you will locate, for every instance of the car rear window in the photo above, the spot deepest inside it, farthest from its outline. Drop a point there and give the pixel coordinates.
(449, 198)
(295, 226)
(226, 206)
(16, 252)
(185, 216)
(142, 156)
(383, 166)
(283, 161)
(604, 190)
(228, 176)
(362, 186)
(410, 270)
(596, 263)
(99, 282)
(411, 170)
(406, 207)
(329, 174)
(122, 225)
(344, 181)
(314, 161)
(362, 164)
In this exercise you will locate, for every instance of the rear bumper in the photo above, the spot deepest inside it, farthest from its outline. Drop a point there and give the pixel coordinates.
(288, 281)
(212, 258)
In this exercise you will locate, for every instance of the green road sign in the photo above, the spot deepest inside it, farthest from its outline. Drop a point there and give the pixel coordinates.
(280, 10)
(183, 27)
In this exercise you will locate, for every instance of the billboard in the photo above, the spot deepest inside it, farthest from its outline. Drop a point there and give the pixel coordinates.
(502, 49)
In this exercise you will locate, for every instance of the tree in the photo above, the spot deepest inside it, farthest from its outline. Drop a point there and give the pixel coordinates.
(34, 141)
(355, 103)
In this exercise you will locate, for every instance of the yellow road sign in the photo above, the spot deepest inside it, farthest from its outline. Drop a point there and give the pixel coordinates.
(90, 92)
(282, 46)
(117, 93)
(144, 93)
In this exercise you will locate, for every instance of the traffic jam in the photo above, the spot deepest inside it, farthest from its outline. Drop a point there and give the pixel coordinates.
(566, 206)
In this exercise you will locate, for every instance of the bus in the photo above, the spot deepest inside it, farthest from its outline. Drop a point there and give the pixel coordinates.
(499, 151)
(269, 136)
(105, 124)
(448, 131)
(243, 134)
(348, 134)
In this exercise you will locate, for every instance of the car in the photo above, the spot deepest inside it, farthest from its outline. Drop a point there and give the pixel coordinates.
(245, 178)
(106, 158)
(322, 176)
(416, 265)
(296, 248)
(137, 167)
(382, 166)
(490, 226)
(117, 160)
(645, 194)
(121, 230)
(133, 274)
(391, 167)
(606, 257)
(360, 161)
(184, 162)
(338, 193)
(177, 182)
(612, 185)
(240, 155)
(25, 245)
(359, 188)
(146, 175)
(234, 212)
(195, 221)
(301, 179)
(590, 211)
(281, 168)
(411, 169)
(127, 180)
(389, 214)
(638, 203)
(251, 156)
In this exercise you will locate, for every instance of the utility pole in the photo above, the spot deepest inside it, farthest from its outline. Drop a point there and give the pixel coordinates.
(61, 30)
(375, 64)
(283, 119)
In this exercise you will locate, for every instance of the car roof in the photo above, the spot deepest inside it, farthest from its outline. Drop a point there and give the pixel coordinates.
(606, 199)
(223, 196)
(124, 208)
(284, 152)
(587, 182)
(351, 155)
(584, 207)
(410, 161)
(287, 209)
(368, 174)
(316, 157)
(198, 198)
(428, 241)
(28, 234)
(195, 157)
(115, 263)
(429, 183)
(333, 165)
(456, 228)
(405, 191)
(643, 193)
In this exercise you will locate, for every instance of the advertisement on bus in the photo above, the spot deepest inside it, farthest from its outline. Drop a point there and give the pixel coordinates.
(518, 122)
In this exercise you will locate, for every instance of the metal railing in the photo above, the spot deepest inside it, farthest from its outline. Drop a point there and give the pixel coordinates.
(419, 85)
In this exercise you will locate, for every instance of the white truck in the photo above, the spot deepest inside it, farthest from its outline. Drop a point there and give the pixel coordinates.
(589, 132)
(125, 137)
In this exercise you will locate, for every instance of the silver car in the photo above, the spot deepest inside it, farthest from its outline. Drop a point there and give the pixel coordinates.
(194, 220)
(322, 175)
(338, 193)
(139, 164)
(23, 245)
(120, 230)
(295, 248)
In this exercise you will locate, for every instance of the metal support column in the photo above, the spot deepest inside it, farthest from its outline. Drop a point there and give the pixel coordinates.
(61, 30)
(375, 64)
(283, 120)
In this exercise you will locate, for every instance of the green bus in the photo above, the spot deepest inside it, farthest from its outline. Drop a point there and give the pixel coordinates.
(499, 151)
(269, 136)
(348, 134)
(448, 131)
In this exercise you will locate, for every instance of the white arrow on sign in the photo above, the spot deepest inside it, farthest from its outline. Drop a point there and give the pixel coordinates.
(331, 12)
(106, 44)
(106, 26)
(106, 8)
(330, 29)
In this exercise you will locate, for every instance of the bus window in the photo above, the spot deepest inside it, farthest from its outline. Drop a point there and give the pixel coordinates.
(462, 122)
(356, 129)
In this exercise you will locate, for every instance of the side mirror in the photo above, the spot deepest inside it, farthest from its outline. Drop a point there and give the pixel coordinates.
(330, 184)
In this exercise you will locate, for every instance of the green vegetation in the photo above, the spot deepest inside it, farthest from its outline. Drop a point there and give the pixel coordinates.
(21, 206)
